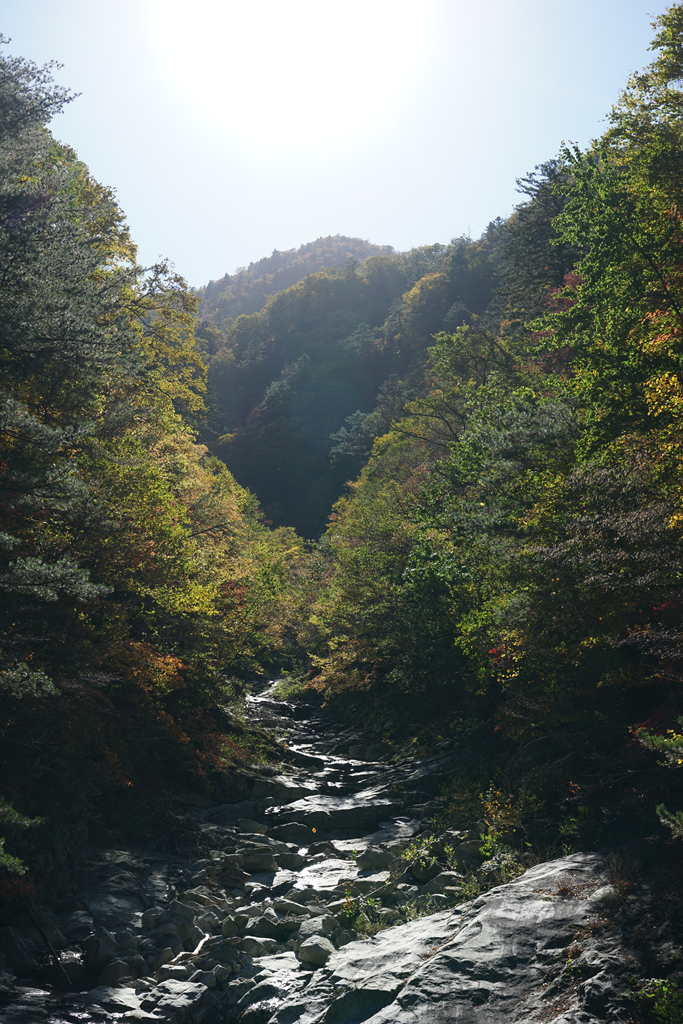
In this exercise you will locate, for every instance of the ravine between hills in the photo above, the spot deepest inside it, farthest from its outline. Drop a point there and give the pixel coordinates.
(328, 890)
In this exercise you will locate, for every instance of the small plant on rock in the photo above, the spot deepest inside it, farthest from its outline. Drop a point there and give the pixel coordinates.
(624, 869)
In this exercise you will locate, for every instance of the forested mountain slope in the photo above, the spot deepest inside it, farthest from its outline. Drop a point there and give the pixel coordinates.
(507, 564)
(336, 345)
(135, 575)
(247, 290)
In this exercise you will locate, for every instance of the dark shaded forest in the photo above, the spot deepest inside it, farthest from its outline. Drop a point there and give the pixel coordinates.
(444, 483)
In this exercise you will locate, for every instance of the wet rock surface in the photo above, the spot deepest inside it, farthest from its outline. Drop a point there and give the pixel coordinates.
(259, 929)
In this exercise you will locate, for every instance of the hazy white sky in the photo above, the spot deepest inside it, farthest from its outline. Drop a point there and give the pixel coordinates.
(233, 127)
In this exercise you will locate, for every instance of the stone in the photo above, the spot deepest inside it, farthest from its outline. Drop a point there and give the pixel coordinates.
(229, 927)
(99, 949)
(291, 923)
(208, 923)
(324, 925)
(425, 868)
(152, 918)
(116, 1000)
(316, 950)
(290, 907)
(249, 825)
(78, 925)
(258, 947)
(178, 972)
(487, 960)
(207, 978)
(233, 877)
(444, 880)
(374, 858)
(266, 926)
(174, 1001)
(182, 911)
(290, 860)
(163, 957)
(125, 941)
(467, 853)
(113, 909)
(363, 810)
(605, 894)
(114, 972)
(256, 861)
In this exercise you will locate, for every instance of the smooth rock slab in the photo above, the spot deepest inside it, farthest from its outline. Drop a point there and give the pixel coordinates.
(174, 1001)
(363, 810)
(484, 963)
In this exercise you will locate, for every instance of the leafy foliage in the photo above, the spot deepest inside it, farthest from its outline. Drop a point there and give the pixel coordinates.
(135, 575)
(511, 552)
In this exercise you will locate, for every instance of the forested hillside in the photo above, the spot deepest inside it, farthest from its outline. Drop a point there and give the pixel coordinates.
(327, 364)
(507, 564)
(247, 290)
(135, 575)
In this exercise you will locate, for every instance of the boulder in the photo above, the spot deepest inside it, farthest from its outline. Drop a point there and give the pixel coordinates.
(425, 868)
(444, 880)
(174, 1001)
(163, 957)
(229, 927)
(177, 972)
(249, 825)
(289, 906)
(78, 925)
(374, 858)
(316, 950)
(207, 978)
(266, 927)
(490, 959)
(290, 860)
(114, 972)
(323, 925)
(208, 922)
(99, 949)
(259, 860)
(258, 947)
(233, 877)
(152, 918)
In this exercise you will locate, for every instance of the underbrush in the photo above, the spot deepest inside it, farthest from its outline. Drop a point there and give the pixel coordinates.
(289, 687)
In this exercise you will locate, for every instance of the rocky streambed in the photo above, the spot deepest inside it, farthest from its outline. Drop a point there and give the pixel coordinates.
(325, 893)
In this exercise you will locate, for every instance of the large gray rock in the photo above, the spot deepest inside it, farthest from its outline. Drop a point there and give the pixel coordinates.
(174, 1001)
(323, 925)
(364, 810)
(444, 880)
(249, 825)
(375, 858)
(487, 962)
(99, 949)
(258, 860)
(316, 950)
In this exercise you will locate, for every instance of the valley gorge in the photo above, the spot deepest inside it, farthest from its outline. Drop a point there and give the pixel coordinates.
(258, 926)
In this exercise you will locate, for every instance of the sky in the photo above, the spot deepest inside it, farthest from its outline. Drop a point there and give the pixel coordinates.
(230, 128)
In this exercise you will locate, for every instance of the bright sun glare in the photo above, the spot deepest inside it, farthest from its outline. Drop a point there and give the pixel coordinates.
(294, 74)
